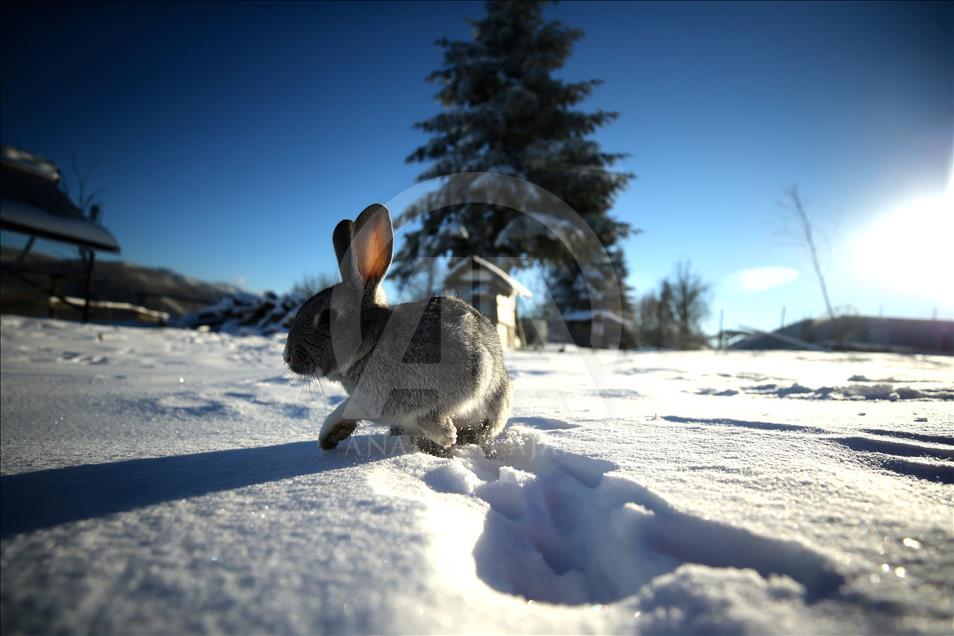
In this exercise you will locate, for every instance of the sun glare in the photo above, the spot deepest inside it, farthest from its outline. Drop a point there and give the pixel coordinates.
(912, 249)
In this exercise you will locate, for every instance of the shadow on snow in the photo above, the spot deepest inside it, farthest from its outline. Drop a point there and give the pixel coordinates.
(47, 498)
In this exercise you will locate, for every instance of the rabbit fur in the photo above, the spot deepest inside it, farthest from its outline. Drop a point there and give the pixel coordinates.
(432, 368)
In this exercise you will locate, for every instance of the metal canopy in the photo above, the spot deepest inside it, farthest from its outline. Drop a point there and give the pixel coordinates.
(31, 203)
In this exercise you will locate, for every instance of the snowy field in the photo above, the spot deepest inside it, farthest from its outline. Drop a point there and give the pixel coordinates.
(168, 481)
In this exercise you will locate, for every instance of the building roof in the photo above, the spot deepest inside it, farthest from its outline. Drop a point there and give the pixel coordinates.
(587, 314)
(484, 270)
(857, 333)
(33, 204)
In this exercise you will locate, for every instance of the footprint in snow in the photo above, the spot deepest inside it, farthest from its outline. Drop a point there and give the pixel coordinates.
(910, 458)
(929, 460)
(296, 411)
(182, 405)
(560, 530)
(542, 423)
(617, 393)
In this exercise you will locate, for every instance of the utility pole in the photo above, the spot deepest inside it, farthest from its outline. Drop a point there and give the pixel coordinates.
(721, 331)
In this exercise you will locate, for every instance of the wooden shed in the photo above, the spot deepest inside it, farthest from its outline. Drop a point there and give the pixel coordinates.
(492, 291)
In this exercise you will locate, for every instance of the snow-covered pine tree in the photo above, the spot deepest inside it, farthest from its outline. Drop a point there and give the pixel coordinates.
(505, 112)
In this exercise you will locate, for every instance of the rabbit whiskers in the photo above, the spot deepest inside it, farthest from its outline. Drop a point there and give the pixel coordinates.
(324, 397)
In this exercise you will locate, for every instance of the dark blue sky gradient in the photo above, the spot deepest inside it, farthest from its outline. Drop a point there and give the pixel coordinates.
(234, 136)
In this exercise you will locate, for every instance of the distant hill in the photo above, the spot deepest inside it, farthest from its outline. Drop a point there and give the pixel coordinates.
(159, 289)
(858, 333)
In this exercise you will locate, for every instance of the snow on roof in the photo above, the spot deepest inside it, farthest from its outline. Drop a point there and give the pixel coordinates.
(31, 203)
(588, 314)
(34, 164)
(509, 280)
(27, 219)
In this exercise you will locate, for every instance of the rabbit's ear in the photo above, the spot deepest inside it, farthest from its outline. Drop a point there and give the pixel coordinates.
(372, 244)
(342, 241)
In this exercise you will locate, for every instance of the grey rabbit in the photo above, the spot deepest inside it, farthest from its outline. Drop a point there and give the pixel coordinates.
(432, 368)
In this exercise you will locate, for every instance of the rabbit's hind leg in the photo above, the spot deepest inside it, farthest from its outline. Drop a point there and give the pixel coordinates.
(438, 428)
(497, 412)
(477, 434)
(427, 446)
(471, 434)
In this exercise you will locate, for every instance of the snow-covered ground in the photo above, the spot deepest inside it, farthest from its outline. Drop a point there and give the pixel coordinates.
(168, 481)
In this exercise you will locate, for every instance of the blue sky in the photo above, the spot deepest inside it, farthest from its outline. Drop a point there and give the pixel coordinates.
(234, 137)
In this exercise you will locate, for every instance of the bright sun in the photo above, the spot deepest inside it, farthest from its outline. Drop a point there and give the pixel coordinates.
(912, 249)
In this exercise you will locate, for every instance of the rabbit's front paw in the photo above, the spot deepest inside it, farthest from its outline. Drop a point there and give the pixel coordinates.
(340, 431)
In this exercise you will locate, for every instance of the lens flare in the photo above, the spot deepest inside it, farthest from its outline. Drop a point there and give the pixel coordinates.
(910, 249)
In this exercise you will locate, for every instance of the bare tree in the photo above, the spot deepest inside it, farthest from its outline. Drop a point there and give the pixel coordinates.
(671, 316)
(89, 205)
(690, 305)
(654, 320)
(796, 214)
(88, 201)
